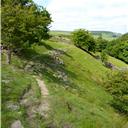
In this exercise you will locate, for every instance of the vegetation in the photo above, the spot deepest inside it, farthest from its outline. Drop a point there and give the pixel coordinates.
(82, 92)
(104, 57)
(101, 44)
(84, 40)
(119, 48)
(117, 85)
(23, 23)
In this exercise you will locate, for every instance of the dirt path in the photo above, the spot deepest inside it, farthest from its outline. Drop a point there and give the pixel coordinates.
(44, 105)
(43, 88)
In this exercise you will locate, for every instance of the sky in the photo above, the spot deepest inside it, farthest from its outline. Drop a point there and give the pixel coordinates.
(107, 15)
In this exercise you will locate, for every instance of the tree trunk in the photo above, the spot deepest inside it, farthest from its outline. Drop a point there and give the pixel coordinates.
(8, 59)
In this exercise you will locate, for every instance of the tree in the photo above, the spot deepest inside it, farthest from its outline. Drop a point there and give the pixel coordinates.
(84, 40)
(23, 23)
(119, 48)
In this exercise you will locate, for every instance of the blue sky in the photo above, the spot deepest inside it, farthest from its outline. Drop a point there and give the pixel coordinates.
(109, 15)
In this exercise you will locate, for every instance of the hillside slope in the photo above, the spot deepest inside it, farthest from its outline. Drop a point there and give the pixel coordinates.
(74, 80)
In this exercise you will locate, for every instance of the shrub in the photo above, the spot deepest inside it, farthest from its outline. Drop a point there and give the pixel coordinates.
(104, 57)
(84, 40)
(117, 85)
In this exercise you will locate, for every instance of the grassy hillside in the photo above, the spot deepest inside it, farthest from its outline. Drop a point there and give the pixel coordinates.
(60, 32)
(74, 79)
(117, 62)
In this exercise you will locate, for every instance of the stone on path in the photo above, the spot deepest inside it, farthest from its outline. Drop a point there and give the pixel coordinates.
(17, 124)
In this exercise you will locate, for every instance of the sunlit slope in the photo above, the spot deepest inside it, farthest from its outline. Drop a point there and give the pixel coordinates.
(77, 96)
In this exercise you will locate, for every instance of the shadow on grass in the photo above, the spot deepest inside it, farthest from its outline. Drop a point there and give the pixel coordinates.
(47, 66)
(58, 50)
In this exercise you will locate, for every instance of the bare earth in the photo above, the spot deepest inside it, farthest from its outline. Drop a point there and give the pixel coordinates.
(43, 88)
(44, 106)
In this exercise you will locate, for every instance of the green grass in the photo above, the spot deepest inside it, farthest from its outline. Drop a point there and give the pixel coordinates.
(15, 83)
(78, 101)
(83, 92)
(117, 62)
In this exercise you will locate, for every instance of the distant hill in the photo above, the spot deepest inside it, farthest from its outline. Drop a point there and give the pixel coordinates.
(105, 34)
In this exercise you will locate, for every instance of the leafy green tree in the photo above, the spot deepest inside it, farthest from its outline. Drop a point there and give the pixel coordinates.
(119, 48)
(23, 23)
(84, 40)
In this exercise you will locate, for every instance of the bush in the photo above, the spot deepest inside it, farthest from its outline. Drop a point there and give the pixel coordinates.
(104, 56)
(84, 40)
(117, 85)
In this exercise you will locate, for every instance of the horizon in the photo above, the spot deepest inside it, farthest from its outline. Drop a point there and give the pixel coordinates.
(92, 15)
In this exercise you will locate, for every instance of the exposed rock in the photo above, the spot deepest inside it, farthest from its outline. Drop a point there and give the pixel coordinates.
(13, 106)
(43, 108)
(55, 54)
(61, 38)
(61, 75)
(6, 81)
(27, 99)
(110, 65)
(17, 124)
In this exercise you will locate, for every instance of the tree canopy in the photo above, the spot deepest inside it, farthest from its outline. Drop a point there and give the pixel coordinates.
(23, 23)
(119, 48)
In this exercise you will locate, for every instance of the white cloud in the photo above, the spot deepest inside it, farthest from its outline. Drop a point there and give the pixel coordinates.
(109, 15)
